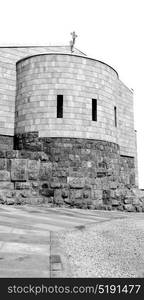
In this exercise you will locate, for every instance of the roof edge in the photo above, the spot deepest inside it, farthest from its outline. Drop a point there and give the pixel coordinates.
(70, 54)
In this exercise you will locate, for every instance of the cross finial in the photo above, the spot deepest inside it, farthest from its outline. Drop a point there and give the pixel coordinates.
(74, 36)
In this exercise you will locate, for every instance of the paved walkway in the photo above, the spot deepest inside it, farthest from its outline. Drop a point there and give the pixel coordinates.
(27, 238)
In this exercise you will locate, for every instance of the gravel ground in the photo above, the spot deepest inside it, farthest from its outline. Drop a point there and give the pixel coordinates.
(110, 249)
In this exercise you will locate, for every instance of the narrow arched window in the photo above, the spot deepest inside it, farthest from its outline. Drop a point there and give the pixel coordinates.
(94, 109)
(115, 116)
(59, 106)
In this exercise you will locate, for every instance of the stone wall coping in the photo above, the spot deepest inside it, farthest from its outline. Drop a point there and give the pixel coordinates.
(67, 54)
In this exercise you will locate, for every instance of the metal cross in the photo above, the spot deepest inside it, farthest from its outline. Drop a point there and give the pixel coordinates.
(74, 36)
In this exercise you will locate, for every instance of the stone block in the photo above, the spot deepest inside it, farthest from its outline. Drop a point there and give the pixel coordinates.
(18, 169)
(6, 185)
(114, 202)
(34, 193)
(87, 194)
(71, 157)
(65, 193)
(98, 183)
(76, 182)
(100, 207)
(88, 185)
(119, 193)
(55, 183)
(143, 207)
(22, 185)
(10, 194)
(136, 201)
(104, 184)
(132, 179)
(3, 163)
(43, 156)
(20, 201)
(96, 194)
(2, 198)
(79, 203)
(6, 141)
(60, 173)
(25, 154)
(35, 184)
(128, 200)
(97, 202)
(112, 194)
(141, 199)
(113, 185)
(68, 201)
(10, 201)
(120, 207)
(33, 146)
(33, 169)
(58, 197)
(25, 193)
(129, 207)
(138, 208)
(2, 154)
(45, 185)
(88, 203)
(45, 171)
(12, 154)
(32, 155)
(4, 175)
(106, 197)
(76, 194)
(8, 164)
(101, 174)
(48, 200)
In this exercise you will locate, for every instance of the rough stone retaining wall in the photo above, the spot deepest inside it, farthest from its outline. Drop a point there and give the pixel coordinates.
(72, 172)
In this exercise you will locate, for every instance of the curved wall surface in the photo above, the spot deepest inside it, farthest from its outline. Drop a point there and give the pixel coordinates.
(79, 79)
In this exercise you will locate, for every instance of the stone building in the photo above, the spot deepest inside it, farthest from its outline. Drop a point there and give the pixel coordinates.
(66, 129)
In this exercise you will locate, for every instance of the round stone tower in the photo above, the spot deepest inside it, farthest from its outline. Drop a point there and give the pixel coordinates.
(70, 106)
(81, 90)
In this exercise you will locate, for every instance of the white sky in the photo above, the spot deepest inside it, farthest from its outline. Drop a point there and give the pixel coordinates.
(108, 30)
